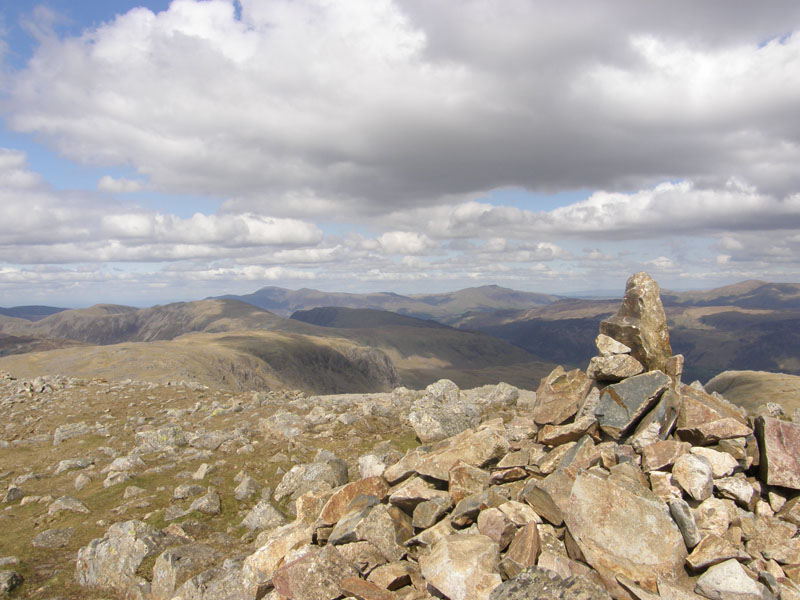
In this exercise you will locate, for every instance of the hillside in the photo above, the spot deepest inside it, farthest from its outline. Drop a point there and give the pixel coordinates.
(420, 351)
(30, 313)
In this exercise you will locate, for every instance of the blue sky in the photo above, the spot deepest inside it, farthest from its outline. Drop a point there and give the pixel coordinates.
(161, 151)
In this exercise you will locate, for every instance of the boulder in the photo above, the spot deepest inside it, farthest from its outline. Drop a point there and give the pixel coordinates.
(53, 538)
(462, 566)
(176, 565)
(475, 448)
(633, 534)
(729, 581)
(337, 504)
(623, 404)
(694, 475)
(326, 472)
(316, 575)
(559, 396)
(779, 449)
(259, 567)
(263, 516)
(640, 323)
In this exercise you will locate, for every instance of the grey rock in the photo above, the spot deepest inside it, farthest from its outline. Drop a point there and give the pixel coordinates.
(559, 396)
(187, 490)
(608, 346)
(54, 538)
(536, 583)
(327, 472)
(728, 581)
(623, 404)
(13, 493)
(176, 565)
(210, 504)
(694, 475)
(10, 580)
(613, 368)
(166, 438)
(263, 516)
(246, 489)
(67, 503)
(683, 517)
(70, 430)
(70, 464)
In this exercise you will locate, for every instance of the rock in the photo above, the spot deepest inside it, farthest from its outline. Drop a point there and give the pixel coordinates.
(559, 396)
(13, 493)
(613, 368)
(608, 346)
(327, 472)
(662, 454)
(640, 323)
(113, 561)
(704, 419)
(70, 430)
(263, 516)
(217, 583)
(737, 489)
(10, 580)
(694, 475)
(386, 528)
(659, 422)
(495, 525)
(462, 566)
(315, 576)
(282, 425)
(522, 552)
(54, 538)
(247, 488)
(427, 513)
(633, 535)
(67, 503)
(203, 471)
(683, 517)
(722, 463)
(466, 511)
(393, 576)
(465, 480)
(435, 423)
(259, 567)
(555, 435)
(712, 516)
(536, 583)
(549, 497)
(477, 448)
(729, 581)
(165, 439)
(362, 555)
(779, 448)
(364, 590)
(713, 550)
(414, 491)
(187, 490)
(623, 404)
(210, 504)
(337, 504)
(176, 565)
(72, 463)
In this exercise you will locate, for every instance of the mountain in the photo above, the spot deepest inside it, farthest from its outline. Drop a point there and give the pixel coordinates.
(30, 313)
(749, 389)
(746, 294)
(445, 308)
(250, 348)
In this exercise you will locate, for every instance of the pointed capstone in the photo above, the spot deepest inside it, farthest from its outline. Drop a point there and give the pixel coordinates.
(641, 323)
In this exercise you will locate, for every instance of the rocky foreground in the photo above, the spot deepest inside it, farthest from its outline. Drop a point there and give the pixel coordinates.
(618, 482)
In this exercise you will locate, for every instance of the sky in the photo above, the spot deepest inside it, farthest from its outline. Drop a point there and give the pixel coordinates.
(157, 151)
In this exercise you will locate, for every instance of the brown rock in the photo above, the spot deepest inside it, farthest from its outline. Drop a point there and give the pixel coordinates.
(632, 535)
(414, 491)
(559, 395)
(608, 346)
(462, 567)
(779, 449)
(640, 323)
(392, 576)
(341, 498)
(362, 555)
(365, 590)
(662, 454)
(537, 583)
(704, 419)
(518, 513)
(694, 475)
(522, 552)
(427, 513)
(315, 576)
(712, 516)
(494, 524)
(259, 567)
(465, 480)
(476, 448)
(712, 550)
(549, 497)
(175, 565)
(613, 368)
(555, 435)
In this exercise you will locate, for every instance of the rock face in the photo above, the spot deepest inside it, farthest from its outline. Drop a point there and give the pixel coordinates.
(640, 323)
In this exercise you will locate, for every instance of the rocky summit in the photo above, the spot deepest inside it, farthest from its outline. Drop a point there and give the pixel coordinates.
(618, 482)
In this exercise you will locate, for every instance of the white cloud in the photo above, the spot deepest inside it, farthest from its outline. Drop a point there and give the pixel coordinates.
(362, 107)
(405, 242)
(120, 185)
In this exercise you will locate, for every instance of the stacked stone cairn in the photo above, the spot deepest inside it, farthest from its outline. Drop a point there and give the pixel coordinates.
(620, 482)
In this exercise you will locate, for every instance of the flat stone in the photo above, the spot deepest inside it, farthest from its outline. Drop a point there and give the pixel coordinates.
(704, 419)
(364, 590)
(70, 464)
(247, 488)
(608, 346)
(640, 323)
(659, 422)
(465, 480)
(345, 530)
(729, 581)
(555, 435)
(559, 396)
(537, 583)
(462, 567)
(518, 513)
(477, 449)
(633, 535)
(623, 404)
(779, 448)
(712, 550)
(613, 368)
(694, 475)
(712, 516)
(187, 490)
(722, 463)
(334, 508)
(393, 576)
(70, 430)
(549, 497)
(427, 513)
(414, 491)
(387, 528)
(315, 576)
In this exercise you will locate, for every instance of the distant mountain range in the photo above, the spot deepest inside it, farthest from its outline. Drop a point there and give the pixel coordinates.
(361, 342)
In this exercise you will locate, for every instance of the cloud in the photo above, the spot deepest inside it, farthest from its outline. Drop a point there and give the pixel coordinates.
(361, 108)
(405, 242)
(120, 185)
